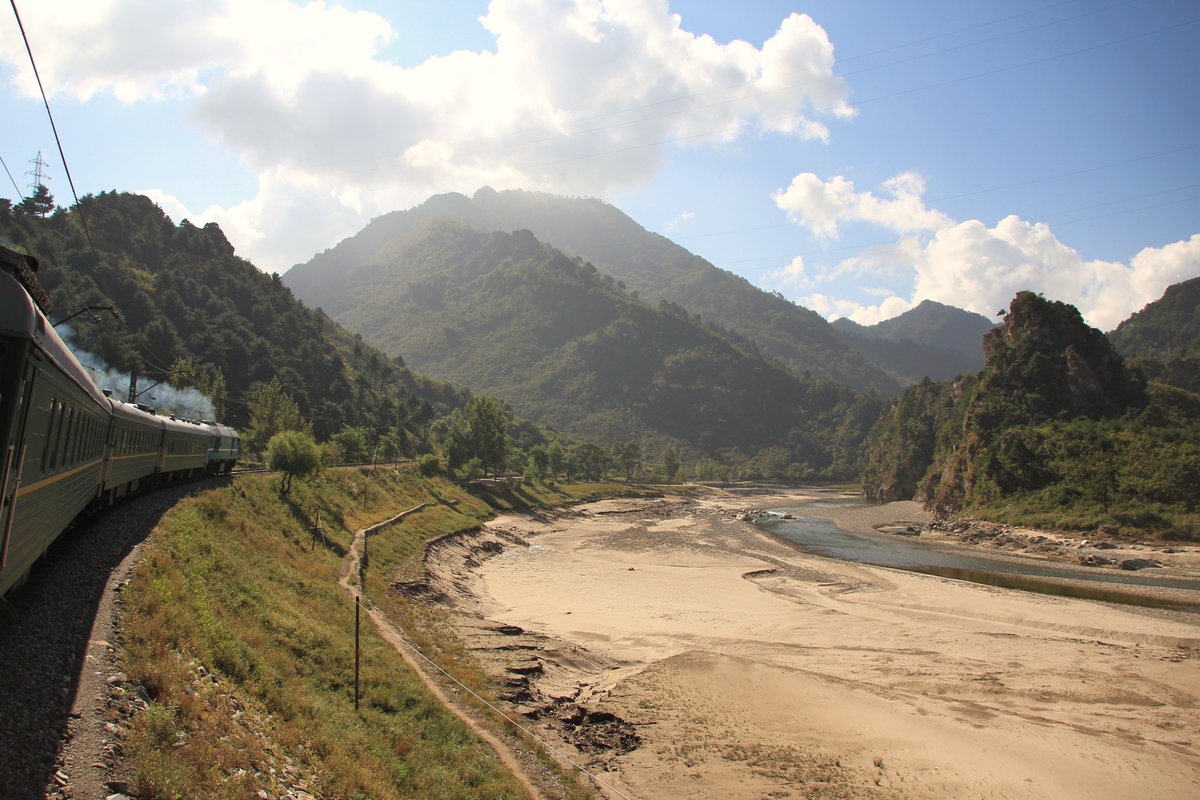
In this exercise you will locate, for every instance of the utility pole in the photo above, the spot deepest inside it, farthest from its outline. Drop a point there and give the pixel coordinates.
(357, 656)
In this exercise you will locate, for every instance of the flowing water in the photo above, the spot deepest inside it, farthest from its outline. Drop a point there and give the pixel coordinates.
(823, 537)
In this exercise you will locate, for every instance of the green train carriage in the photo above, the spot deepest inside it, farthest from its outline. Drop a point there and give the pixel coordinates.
(54, 426)
(67, 446)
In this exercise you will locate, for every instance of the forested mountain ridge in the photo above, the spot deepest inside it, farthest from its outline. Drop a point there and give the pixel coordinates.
(938, 325)
(932, 340)
(569, 347)
(1055, 430)
(646, 263)
(184, 296)
(1163, 339)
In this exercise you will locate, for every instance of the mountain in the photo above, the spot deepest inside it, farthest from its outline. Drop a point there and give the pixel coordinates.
(938, 325)
(185, 298)
(931, 340)
(646, 263)
(569, 347)
(1055, 430)
(1163, 339)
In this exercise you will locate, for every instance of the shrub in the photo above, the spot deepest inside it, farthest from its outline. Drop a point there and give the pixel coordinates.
(429, 465)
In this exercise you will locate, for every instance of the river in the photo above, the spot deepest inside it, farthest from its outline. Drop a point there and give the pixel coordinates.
(821, 536)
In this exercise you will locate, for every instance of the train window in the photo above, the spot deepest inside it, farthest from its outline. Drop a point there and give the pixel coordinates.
(67, 439)
(76, 433)
(52, 434)
(49, 436)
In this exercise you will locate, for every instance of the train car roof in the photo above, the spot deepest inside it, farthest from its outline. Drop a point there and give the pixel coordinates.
(21, 318)
(130, 411)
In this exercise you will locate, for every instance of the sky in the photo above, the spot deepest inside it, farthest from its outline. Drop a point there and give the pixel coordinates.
(856, 157)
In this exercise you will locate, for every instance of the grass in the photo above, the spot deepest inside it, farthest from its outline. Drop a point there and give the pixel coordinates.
(396, 554)
(235, 624)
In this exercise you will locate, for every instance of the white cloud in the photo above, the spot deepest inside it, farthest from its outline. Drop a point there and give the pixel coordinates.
(793, 273)
(968, 264)
(981, 269)
(835, 308)
(678, 220)
(578, 96)
(822, 206)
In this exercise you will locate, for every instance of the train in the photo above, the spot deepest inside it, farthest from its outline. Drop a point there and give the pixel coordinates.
(69, 448)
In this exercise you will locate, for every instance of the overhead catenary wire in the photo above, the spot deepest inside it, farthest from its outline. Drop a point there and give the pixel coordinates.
(20, 194)
(62, 156)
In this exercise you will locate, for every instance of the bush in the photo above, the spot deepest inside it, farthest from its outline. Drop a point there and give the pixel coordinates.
(429, 465)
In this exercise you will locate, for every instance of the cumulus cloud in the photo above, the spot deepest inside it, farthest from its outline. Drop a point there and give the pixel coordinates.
(577, 96)
(968, 264)
(981, 268)
(821, 206)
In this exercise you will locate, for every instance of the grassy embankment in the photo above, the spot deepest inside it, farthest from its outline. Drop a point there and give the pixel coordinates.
(236, 625)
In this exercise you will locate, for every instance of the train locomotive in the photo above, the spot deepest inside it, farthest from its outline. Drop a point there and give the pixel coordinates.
(68, 447)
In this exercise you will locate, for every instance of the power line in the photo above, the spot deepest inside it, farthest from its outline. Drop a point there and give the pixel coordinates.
(58, 141)
(13, 180)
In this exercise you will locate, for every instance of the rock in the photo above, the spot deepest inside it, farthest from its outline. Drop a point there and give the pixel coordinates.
(1092, 560)
(1104, 546)
(1138, 563)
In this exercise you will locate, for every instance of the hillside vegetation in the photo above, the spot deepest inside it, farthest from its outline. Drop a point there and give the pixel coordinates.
(1055, 431)
(568, 347)
(932, 340)
(184, 295)
(1163, 339)
(236, 626)
(650, 265)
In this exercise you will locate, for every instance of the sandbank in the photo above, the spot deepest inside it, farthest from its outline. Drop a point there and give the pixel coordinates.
(712, 660)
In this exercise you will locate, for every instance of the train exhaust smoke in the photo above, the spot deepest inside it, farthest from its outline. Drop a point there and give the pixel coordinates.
(189, 403)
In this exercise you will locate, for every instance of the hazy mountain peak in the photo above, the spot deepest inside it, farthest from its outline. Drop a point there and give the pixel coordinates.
(653, 267)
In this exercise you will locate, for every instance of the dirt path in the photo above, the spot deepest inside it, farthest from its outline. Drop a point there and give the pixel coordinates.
(351, 581)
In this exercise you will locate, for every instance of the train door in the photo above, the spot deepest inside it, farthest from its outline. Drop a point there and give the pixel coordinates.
(13, 415)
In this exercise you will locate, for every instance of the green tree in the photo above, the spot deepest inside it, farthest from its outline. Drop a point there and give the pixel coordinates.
(479, 431)
(591, 461)
(627, 456)
(353, 441)
(272, 411)
(539, 462)
(555, 459)
(295, 454)
(670, 463)
(40, 203)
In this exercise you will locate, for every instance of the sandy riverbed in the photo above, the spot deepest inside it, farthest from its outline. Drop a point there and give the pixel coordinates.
(749, 670)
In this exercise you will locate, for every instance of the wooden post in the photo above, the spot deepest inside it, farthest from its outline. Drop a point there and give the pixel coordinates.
(317, 530)
(357, 658)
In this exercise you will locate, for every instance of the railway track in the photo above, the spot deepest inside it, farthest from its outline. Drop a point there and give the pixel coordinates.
(57, 654)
